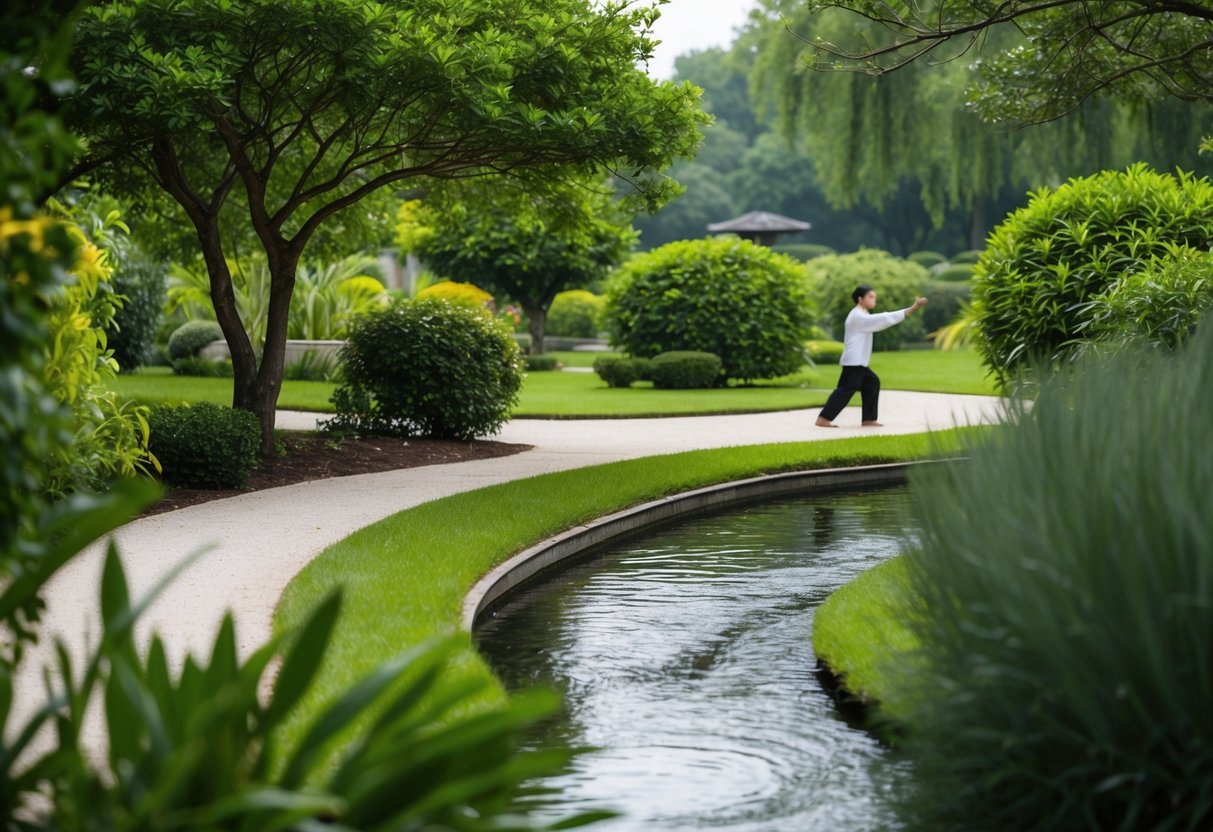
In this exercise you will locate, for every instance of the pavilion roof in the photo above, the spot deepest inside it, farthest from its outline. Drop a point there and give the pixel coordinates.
(760, 222)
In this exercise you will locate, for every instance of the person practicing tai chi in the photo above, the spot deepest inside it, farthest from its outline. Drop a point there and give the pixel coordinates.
(857, 354)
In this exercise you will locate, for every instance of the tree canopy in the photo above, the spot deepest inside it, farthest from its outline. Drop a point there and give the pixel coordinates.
(299, 109)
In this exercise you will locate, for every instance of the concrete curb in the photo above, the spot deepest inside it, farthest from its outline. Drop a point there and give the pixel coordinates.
(524, 566)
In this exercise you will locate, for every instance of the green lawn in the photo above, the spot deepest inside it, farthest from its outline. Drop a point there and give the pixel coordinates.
(405, 577)
(583, 395)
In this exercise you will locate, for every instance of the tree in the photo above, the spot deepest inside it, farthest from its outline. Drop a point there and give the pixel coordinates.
(706, 199)
(1064, 51)
(529, 245)
(297, 110)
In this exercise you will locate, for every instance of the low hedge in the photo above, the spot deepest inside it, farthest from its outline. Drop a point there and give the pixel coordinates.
(617, 371)
(189, 338)
(204, 445)
(824, 352)
(686, 370)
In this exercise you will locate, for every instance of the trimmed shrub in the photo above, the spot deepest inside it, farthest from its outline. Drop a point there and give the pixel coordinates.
(944, 303)
(427, 368)
(1046, 262)
(970, 256)
(132, 333)
(462, 293)
(574, 314)
(897, 283)
(541, 363)
(729, 297)
(803, 251)
(204, 445)
(189, 338)
(685, 370)
(824, 352)
(1065, 611)
(926, 259)
(616, 371)
(955, 273)
(202, 368)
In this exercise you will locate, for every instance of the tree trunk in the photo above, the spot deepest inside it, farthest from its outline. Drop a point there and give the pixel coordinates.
(263, 402)
(223, 298)
(539, 318)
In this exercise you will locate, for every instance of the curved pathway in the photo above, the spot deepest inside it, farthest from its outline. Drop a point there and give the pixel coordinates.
(255, 543)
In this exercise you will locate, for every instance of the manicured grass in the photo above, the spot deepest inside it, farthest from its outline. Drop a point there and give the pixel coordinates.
(583, 395)
(405, 577)
(861, 626)
(578, 358)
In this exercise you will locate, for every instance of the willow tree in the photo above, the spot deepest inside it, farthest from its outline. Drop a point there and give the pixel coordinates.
(297, 110)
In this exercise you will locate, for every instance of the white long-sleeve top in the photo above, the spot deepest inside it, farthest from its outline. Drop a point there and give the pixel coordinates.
(857, 340)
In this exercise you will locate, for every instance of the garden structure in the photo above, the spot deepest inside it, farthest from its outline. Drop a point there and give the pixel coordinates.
(763, 227)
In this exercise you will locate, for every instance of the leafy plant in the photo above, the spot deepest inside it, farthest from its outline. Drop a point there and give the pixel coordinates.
(926, 259)
(970, 257)
(312, 366)
(1064, 608)
(327, 298)
(202, 368)
(189, 338)
(944, 303)
(803, 252)
(1048, 261)
(956, 273)
(465, 293)
(204, 445)
(897, 282)
(427, 368)
(728, 297)
(685, 370)
(616, 371)
(575, 314)
(540, 363)
(189, 294)
(140, 283)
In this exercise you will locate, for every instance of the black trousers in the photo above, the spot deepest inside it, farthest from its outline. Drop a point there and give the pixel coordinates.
(854, 380)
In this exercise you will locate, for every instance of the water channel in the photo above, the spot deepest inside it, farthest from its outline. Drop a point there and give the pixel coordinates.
(686, 662)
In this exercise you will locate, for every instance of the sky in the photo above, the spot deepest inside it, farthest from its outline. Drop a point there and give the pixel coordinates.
(694, 24)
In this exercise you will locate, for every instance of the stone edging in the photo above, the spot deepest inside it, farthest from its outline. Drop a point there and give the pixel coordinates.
(528, 563)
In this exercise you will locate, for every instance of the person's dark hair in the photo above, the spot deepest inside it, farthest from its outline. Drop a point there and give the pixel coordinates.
(861, 290)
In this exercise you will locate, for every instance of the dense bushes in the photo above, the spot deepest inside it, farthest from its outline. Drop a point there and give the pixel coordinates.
(460, 293)
(897, 283)
(427, 368)
(824, 352)
(574, 314)
(141, 285)
(956, 273)
(204, 445)
(728, 297)
(1066, 612)
(618, 371)
(205, 368)
(927, 259)
(1047, 261)
(189, 338)
(944, 303)
(803, 251)
(685, 370)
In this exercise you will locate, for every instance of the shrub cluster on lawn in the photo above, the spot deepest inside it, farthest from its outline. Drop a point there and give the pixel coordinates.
(729, 297)
(427, 367)
(204, 445)
(575, 314)
(1065, 613)
(188, 339)
(685, 370)
(897, 283)
(618, 371)
(141, 283)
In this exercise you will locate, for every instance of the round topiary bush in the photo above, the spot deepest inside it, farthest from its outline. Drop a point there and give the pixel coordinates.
(897, 283)
(926, 259)
(1048, 261)
(616, 371)
(131, 334)
(427, 368)
(574, 314)
(463, 293)
(204, 445)
(189, 338)
(729, 297)
(685, 370)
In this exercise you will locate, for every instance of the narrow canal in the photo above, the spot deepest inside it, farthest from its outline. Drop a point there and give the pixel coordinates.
(686, 662)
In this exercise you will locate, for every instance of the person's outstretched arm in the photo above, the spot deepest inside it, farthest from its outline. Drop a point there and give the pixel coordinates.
(877, 321)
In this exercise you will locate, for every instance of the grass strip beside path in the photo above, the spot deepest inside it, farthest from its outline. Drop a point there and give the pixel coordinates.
(405, 577)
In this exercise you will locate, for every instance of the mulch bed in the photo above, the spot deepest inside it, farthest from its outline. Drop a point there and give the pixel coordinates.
(311, 456)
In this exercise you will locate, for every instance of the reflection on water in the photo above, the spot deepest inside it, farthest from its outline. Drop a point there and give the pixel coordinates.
(686, 661)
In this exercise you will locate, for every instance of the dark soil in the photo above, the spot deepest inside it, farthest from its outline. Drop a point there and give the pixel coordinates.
(311, 456)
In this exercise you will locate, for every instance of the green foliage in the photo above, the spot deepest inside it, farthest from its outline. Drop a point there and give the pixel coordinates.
(202, 367)
(728, 297)
(1159, 305)
(328, 297)
(189, 338)
(464, 293)
(970, 256)
(616, 371)
(540, 363)
(803, 251)
(685, 370)
(1047, 261)
(897, 282)
(956, 272)
(204, 445)
(1064, 608)
(945, 303)
(313, 366)
(575, 314)
(427, 368)
(926, 259)
(141, 284)
(824, 352)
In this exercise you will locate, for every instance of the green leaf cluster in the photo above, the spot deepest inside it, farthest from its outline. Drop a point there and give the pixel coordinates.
(427, 367)
(685, 370)
(833, 277)
(189, 338)
(575, 314)
(205, 445)
(721, 295)
(1047, 262)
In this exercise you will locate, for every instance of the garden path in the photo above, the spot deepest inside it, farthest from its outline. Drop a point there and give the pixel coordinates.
(255, 543)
